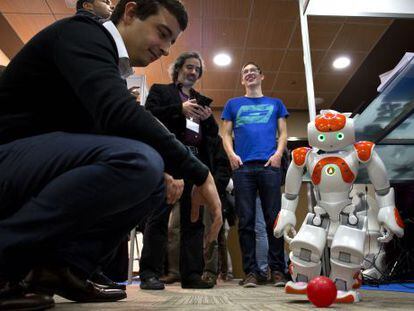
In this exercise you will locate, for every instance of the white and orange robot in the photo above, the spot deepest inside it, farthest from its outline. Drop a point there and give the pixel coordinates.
(333, 165)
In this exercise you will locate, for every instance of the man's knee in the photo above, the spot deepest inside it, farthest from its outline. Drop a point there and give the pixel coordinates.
(140, 158)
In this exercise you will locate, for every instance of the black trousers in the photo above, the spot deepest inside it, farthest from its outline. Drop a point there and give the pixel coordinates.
(69, 199)
(191, 246)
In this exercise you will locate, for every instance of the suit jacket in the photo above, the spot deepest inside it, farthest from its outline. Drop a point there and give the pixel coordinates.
(66, 78)
(165, 103)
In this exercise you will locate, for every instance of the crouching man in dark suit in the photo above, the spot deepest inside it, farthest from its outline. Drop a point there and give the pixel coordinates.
(79, 171)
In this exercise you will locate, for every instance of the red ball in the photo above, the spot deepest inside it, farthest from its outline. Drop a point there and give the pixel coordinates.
(321, 291)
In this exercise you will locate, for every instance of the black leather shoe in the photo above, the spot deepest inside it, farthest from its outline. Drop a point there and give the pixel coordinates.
(152, 283)
(170, 279)
(63, 282)
(15, 297)
(197, 283)
(100, 279)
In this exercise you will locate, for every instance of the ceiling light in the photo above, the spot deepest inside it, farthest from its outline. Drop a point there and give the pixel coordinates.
(319, 101)
(341, 62)
(222, 59)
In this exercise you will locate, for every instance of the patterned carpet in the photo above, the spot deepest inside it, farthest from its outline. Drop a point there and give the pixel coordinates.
(230, 296)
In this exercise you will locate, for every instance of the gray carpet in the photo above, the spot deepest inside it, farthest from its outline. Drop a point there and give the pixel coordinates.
(230, 296)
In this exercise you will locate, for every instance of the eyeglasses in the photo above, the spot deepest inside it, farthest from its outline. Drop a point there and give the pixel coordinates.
(249, 70)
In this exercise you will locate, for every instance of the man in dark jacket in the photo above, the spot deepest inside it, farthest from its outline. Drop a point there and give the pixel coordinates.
(187, 114)
(79, 171)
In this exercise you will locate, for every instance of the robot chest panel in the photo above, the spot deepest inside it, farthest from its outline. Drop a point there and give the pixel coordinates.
(333, 171)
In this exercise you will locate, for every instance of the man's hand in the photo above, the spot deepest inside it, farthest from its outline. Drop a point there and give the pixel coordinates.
(235, 161)
(204, 112)
(274, 161)
(190, 109)
(174, 188)
(207, 195)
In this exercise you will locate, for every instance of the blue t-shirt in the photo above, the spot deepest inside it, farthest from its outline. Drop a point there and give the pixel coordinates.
(254, 125)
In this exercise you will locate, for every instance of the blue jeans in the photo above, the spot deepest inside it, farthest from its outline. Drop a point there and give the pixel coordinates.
(262, 246)
(249, 179)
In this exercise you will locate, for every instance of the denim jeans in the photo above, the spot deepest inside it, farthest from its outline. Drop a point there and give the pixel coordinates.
(262, 246)
(249, 179)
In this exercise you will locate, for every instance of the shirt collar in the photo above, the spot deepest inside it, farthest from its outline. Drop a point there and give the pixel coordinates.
(124, 64)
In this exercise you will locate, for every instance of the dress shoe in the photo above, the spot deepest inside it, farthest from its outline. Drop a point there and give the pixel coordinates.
(152, 283)
(170, 279)
(100, 279)
(15, 297)
(64, 282)
(196, 283)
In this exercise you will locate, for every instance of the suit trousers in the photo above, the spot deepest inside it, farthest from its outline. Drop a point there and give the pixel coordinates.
(69, 199)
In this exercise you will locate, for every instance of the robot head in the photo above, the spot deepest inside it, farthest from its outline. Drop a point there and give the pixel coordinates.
(331, 131)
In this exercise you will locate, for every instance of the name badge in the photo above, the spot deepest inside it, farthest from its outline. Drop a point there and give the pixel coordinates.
(192, 126)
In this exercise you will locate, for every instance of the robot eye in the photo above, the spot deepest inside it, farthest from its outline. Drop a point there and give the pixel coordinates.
(340, 136)
(321, 137)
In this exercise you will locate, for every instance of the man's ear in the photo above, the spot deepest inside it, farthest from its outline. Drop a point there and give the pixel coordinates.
(87, 6)
(262, 76)
(129, 14)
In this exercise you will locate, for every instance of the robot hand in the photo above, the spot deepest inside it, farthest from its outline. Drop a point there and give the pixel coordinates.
(289, 229)
(391, 223)
(285, 222)
(386, 235)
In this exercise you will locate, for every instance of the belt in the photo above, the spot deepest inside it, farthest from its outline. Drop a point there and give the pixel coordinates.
(193, 149)
(255, 162)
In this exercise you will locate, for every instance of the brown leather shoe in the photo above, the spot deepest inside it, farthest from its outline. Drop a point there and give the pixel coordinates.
(63, 282)
(15, 297)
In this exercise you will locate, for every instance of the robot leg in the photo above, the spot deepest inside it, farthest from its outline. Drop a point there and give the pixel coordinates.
(374, 254)
(347, 254)
(306, 251)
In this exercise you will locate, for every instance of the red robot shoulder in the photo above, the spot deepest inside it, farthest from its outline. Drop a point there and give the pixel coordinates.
(364, 150)
(299, 155)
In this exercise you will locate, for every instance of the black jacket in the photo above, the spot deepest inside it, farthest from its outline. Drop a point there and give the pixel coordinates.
(66, 78)
(165, 103)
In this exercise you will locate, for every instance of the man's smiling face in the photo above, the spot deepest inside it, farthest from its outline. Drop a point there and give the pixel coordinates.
(189, 72)
(147, 40)
(251, 76)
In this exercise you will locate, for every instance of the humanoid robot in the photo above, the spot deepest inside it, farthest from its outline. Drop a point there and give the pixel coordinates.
(333, 166)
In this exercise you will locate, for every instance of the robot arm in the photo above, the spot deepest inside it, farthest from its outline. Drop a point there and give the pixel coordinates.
(388, 216)
(286, 219)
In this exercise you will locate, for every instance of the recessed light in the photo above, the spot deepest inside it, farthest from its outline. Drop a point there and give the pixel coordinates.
(222, 59)
(319, 101)
(341, 62)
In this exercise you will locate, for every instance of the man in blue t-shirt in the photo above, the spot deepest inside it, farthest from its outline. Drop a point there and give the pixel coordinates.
(260, 135)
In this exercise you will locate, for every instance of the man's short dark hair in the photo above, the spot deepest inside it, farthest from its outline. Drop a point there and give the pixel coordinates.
(179, 63)
(252, 63)
(79, 4)
(146, 8)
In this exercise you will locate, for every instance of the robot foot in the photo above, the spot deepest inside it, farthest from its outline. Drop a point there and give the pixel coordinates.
(347, 296)
(372, 273)
(296, 288)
